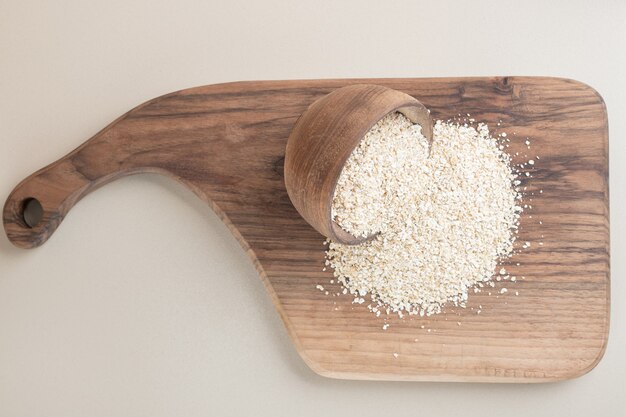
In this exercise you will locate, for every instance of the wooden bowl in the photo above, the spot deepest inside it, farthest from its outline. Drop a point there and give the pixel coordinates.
(324, 137)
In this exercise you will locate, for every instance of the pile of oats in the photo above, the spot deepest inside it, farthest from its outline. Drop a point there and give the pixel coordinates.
(444, 220)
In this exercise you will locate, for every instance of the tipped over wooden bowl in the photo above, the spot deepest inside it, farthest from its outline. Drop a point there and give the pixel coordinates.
(322, 140)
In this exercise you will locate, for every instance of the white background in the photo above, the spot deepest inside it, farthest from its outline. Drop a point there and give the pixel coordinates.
(142, 303)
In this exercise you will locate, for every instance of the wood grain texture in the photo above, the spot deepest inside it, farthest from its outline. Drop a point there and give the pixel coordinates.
(322, 140)
(226, 142)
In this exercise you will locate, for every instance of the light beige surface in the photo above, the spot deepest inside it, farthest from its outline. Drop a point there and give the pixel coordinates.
(133, 330)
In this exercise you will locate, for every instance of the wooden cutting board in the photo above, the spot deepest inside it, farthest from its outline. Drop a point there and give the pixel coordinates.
(226, 142)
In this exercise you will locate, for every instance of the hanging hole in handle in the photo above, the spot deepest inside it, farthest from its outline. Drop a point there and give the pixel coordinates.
(32, 212)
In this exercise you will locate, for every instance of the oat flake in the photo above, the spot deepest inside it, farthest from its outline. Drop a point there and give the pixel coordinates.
(444, 221)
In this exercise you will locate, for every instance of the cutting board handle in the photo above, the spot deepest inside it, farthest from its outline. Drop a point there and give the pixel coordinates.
(37, 205)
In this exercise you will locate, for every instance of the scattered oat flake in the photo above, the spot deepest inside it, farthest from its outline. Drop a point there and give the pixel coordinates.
(438, 234)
